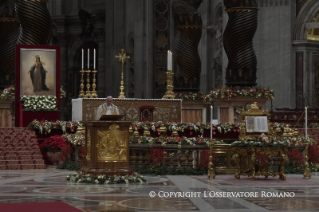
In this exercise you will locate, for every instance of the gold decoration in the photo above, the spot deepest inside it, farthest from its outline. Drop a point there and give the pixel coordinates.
(254, 111)
(147, 132)
(211, 172)
(170, 87)
(111, 145)
(88, 146)
(122, 57)
(307, 172)
(136, 133)
(93, 93)
(80, 130)
(175, 134)
(162, 130)
(81, 95)
(275, 156)
(88, 93)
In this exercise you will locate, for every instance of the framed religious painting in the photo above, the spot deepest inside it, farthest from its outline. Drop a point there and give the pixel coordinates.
(37, 74)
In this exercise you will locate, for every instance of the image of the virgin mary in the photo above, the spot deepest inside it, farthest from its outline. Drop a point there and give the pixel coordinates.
(38, 76)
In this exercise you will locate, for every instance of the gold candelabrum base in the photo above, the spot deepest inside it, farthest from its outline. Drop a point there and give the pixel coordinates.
(94, 93)
(122, 96)
(82, 95)
(211, 172)
(88, 92)
(307, 172)
(169, 93)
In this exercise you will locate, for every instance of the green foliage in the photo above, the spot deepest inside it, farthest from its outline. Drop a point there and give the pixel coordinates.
(162, 170)
(69, 165)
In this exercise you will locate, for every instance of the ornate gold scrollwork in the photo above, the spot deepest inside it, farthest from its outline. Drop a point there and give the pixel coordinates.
(88, 146)
(111, 145)
(254, 111)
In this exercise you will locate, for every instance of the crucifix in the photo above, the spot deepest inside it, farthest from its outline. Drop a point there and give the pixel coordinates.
(122, 57)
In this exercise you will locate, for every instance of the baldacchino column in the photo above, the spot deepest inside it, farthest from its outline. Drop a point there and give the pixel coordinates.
(238, 42)
(9, 32)
(185, 47)
(35, 22)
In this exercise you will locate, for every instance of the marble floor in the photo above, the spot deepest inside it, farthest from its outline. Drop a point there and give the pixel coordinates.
(199, 193)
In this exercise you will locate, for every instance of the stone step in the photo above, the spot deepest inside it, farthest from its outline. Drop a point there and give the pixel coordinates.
(21, 162)
(22, 166)
(17, 149)
(21, 157)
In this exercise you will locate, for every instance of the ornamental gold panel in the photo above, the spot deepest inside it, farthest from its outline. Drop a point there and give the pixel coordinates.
(111, 145)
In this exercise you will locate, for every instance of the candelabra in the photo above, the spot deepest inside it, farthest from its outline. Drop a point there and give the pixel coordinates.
(169, 93)
(88, 93)
(81, 95)
(93, 93)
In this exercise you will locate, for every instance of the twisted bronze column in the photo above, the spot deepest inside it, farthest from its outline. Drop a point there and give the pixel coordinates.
(185, 46)
(238, 42)
(9, 32)
(35, 22)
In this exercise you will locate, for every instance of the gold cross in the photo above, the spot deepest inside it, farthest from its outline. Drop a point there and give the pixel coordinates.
(122, 56)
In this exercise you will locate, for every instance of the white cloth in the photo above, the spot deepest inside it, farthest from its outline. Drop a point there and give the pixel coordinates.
(104, 109)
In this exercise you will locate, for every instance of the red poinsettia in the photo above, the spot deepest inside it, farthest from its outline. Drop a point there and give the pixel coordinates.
(53, 143)
(295, 156)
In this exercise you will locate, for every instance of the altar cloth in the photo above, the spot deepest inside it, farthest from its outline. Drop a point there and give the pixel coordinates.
(170, 110)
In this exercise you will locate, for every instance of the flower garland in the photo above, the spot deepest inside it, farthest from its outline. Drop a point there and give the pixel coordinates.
(46, 126)
(193, 96)
(7, 92)
(75, 139)
(171, 140)
(106, 179)
(181, 127)
(257, 92)
(39, 103)
(280, 142)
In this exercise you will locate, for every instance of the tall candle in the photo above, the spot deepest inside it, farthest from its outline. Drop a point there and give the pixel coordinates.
(82, 58)
(211, 120)
(88, 59)
(169, 60)
(306, 122)
(94, 58)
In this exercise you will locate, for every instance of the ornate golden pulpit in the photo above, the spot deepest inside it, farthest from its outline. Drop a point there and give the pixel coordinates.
(107, 147)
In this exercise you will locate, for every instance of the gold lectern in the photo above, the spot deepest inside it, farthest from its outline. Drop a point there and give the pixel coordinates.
(107, 147)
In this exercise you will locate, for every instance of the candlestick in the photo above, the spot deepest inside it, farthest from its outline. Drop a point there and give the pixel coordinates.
(88, 59)
(211, 120)
(306, 122)
(82, 58)
(94, 58)
(169, 60)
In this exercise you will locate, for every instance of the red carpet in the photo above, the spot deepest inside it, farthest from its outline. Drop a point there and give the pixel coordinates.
(38, 207)
(19, 149)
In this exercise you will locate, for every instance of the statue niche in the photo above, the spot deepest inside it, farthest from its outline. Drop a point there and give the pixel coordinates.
(185, 46)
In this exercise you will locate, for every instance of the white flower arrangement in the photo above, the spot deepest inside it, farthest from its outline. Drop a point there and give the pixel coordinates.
(107, 179)
(39, 103)
(7, 92)
(75, 139)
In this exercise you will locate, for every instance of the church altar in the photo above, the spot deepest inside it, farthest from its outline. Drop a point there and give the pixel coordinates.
(84, 109)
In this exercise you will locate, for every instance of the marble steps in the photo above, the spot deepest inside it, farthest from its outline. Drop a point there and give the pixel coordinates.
(22, 166)
(25, 150)
(20, 157)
